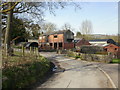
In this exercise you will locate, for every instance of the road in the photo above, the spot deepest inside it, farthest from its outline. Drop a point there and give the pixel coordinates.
(113, 71)
(77, 74)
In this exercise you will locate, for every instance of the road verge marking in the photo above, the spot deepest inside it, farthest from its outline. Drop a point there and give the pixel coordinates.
(112, 83)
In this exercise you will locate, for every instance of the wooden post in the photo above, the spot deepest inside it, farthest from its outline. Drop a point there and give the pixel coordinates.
(38, 51)
(23, 51)
(30, 50)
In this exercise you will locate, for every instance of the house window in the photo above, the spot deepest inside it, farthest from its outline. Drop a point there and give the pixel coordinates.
(55, 36)
(69, 40)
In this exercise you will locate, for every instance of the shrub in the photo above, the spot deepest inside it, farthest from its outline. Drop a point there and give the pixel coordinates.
(90, 49)
(77, 56)
(115, 61)
(25, 74)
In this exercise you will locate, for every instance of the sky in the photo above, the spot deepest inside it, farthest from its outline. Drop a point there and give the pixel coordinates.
(103, 16)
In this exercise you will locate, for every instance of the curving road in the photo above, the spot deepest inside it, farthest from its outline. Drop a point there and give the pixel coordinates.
(77, 74)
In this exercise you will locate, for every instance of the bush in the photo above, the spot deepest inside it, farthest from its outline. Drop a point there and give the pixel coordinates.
(90, 49)
(115, 61)
(77, 56)
(20, 76)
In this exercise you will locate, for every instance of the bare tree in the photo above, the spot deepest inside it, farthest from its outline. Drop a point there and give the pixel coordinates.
(67, 26)
(48, 27)
(86, 28)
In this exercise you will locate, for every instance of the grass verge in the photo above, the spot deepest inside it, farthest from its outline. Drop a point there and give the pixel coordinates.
(22, 71)
(115, 61)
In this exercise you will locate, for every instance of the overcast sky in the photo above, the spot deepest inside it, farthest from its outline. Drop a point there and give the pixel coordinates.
(103, 15)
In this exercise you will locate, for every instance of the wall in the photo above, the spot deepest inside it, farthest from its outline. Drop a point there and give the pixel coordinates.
(42, 39)
(68, 45)
(111, 48)
(95, 57)
(58, 39)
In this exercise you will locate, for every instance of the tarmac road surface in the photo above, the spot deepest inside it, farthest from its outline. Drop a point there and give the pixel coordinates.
(77, 74)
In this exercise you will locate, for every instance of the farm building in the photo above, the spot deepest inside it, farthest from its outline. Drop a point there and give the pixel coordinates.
(57, 40)
(100, 42)
(112, 49)
(81, 42)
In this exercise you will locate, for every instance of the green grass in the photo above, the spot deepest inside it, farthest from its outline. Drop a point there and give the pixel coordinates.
(21, 71)
(77, 56)
(115, 61)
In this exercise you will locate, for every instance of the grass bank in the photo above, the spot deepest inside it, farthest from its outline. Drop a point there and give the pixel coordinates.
(20, 71)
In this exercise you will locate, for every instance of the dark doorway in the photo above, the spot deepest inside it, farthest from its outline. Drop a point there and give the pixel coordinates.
(55, 45)
(50, 44)
(60, 45)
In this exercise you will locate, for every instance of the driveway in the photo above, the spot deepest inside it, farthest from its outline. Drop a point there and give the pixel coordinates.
(77, 74)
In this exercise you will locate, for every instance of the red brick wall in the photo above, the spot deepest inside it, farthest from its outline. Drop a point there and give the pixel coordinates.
(59, 38)
(42, 39)
(111, 48)
(68, 45)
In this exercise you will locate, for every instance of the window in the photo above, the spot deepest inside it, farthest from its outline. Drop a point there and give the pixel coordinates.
(69, 40)
(55, 36)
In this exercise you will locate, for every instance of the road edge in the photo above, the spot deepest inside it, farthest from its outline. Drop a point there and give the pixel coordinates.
(109, 78)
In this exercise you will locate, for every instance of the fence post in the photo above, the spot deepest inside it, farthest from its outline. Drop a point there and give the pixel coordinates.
(30, 50)
(23, 51)
(36, 49)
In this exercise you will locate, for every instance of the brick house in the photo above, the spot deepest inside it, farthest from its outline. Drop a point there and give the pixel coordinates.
(57, 40)
(111, 48)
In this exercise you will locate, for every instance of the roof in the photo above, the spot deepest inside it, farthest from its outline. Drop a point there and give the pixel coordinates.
(58, 32)
(77, 39)
(99, 40)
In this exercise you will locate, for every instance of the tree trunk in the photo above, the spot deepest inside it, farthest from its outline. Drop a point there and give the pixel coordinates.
(7, 45)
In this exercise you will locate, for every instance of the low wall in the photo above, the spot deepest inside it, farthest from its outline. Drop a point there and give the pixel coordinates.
(96, 57)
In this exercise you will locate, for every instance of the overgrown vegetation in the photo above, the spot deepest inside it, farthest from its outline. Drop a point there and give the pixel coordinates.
(73, 54)
(22, 71)
(115, 61)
